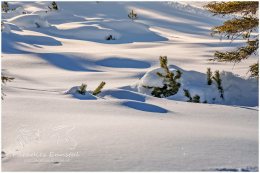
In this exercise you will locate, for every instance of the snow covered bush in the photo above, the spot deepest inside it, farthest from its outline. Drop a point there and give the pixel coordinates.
(165, 81)
(132, 15)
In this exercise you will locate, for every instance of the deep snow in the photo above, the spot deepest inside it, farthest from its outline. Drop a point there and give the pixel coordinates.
(48, 126)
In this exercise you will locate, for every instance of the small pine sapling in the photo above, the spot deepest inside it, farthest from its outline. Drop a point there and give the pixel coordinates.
(187, 94)
(82, 89)
(196, 99)
(132, 15)
(218, 81)
(209, 76)
(110, 37)
(171, 86)
(5, 7)
(54, 6)
(99, 88)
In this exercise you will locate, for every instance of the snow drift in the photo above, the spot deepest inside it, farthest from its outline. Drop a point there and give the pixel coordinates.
(237, 90)
(29, 21)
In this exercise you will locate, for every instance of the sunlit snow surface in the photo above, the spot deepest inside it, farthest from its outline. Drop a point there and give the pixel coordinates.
(48, 126)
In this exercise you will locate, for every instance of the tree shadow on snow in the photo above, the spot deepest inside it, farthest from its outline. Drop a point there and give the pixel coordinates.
(123, 63)
(68, 62)
(11, 42)
(144, 107)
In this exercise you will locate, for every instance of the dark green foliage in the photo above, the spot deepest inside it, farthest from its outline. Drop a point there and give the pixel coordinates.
(82, 89)
(218, 81)
(132, 15)
(171, 86)
(5, 7)
(194, 99)
(5, 79)
(239, 54)
(231, 7)
(187, 94)
(2, 26)
(54, 6)
(110, 37)
(209, 76)
(254, 69)
(37, 25)
(236, 27)
(99, 88)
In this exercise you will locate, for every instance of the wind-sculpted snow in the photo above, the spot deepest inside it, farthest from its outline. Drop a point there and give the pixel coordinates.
(29, 21)
(48, 126)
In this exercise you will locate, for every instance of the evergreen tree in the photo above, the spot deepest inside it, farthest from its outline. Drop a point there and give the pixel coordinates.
(54, 6)
(233, 28)
(171, 85)
(82, 89)
(132, 15)
(209, 76)
(99, 88)
(218, 81)
(5, 7)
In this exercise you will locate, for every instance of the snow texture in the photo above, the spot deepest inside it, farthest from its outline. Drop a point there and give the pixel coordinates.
(123, 128)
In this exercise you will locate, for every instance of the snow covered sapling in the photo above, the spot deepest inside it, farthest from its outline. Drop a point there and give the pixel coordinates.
(209, 76)
(218, 81)
(99, 88)
(82, 89)
(53, 6)
(171, 86)
(5, 7)
(132, 15)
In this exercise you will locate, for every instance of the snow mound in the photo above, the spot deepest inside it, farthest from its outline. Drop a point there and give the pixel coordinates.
(10, 14)
(29, 21)
(74, 92)
(237, 90)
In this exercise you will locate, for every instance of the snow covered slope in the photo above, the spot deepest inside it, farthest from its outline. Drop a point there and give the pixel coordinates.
(46, 129)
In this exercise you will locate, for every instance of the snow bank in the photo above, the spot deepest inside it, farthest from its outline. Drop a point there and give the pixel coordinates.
(237, 90)
(29, 21)
(74, 92)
